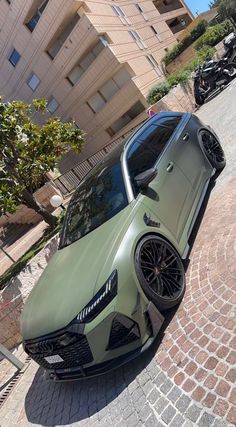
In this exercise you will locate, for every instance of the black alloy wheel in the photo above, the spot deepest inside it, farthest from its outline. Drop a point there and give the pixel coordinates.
(160, 271)
(213, 149)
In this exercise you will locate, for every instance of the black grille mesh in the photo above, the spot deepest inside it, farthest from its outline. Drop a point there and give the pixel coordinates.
(123, 332)
(73, 355)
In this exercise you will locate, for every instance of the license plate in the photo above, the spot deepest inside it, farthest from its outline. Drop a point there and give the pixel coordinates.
(54, 359)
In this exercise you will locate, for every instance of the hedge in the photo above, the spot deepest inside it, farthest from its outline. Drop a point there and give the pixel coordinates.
(159, 91)
(186, 42)
(214, 34)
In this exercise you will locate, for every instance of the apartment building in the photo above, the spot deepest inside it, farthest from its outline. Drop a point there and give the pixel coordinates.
(93, 60)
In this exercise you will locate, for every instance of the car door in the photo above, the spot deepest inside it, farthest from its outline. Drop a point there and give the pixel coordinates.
(169, 194)
(190, 158)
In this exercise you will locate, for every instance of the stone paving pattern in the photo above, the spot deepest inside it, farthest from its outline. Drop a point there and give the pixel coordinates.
(188, 377)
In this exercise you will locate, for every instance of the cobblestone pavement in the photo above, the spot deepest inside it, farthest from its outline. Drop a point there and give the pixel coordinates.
(188, 377)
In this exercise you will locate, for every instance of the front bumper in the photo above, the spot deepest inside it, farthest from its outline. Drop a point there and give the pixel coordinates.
(71, 354)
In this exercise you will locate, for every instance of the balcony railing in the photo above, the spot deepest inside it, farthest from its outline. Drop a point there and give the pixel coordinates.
(69, 181)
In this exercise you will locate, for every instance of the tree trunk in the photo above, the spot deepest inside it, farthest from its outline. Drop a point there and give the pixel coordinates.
(32, 203)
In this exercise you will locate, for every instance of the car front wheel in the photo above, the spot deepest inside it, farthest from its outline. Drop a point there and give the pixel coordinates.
(160, 272)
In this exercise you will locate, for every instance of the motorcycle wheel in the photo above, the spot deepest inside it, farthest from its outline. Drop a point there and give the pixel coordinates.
(198, 97)
(224, 81)
(231, 67)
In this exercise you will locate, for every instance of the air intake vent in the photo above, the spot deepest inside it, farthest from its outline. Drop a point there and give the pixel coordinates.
(123, 332)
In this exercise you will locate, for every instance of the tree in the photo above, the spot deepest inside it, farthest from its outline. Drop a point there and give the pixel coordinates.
(214, 3)
(28, 151)
(226, 8)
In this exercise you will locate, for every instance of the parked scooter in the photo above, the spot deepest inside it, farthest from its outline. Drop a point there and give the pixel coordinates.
(211, 76)
(230, 47)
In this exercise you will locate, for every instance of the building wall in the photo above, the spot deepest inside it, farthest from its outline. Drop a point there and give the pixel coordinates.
(96, 19)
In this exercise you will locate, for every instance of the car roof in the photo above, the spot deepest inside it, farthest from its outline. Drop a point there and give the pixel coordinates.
(148, 122)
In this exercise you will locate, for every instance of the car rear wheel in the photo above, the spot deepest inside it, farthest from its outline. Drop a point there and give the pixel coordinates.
(212, 149)
(160, 272)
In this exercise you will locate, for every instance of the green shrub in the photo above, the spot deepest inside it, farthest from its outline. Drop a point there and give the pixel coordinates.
(186, 42)
(157, 92)
(181, 76)
(201, 56)
(214, 34)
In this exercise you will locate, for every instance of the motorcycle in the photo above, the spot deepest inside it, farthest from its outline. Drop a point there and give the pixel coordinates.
(211, 76)
(230, 47)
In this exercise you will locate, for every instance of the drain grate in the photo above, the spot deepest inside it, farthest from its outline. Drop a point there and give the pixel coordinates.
(13, 383)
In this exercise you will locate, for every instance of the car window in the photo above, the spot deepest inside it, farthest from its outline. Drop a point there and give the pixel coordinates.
(144, 152)
(98, 198)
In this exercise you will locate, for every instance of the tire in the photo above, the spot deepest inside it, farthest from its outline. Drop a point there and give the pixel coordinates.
(212, 149)
(226, 80)
(231, 67)
(160, 272)
(198, 97)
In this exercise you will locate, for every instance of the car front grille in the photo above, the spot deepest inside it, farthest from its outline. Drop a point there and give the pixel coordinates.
(124, 331)
(73, 349)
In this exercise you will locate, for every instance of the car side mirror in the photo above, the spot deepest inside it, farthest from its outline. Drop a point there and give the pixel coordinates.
(143, 179)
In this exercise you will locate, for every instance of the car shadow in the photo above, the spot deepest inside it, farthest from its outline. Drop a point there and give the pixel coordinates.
(213, 95)
(200, 216)
(50, 404)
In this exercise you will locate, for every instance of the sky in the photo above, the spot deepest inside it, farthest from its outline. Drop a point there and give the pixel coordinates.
(197, 5)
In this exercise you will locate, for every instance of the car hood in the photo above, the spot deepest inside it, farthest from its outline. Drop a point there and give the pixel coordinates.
(72, 277)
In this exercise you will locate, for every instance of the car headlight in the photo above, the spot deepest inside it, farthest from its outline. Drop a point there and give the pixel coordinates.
(102, 298)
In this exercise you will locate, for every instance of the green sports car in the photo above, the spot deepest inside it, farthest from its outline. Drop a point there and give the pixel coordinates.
(119, 263)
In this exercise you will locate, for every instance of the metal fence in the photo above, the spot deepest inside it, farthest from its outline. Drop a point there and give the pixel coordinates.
(69, 181)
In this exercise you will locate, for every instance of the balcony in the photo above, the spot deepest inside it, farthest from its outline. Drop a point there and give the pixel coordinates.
(61, 36)
(165, 6)
(179, 23)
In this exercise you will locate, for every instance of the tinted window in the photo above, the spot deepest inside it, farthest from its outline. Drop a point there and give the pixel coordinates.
(14, 57)
(144, 153)
(99, 197)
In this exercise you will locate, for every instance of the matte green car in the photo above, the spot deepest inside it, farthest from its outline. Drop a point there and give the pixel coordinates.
(119, 264)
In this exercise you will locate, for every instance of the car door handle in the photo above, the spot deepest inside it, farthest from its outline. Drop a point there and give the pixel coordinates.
(170, 167)
(186, 137)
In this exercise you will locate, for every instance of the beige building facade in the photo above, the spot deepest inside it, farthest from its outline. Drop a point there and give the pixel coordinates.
(94, 61)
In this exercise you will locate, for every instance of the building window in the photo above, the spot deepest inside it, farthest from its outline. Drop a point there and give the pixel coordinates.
(32, 22)
(139, 8)
(52, 105)
(118, 11)
(135, 36)
(156, 33)
(153, 29)
(58, 42)
(131, 114)
(108, 90)
(14, 57)
(76, 73)
(33, 82)
(154, 64)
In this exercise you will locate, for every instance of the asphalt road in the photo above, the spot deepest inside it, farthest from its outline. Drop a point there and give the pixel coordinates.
(220, 114)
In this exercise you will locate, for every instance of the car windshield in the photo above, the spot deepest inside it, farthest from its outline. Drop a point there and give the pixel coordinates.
(98, 198)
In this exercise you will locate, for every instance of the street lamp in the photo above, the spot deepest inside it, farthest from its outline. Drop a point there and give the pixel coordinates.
(56, 201)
